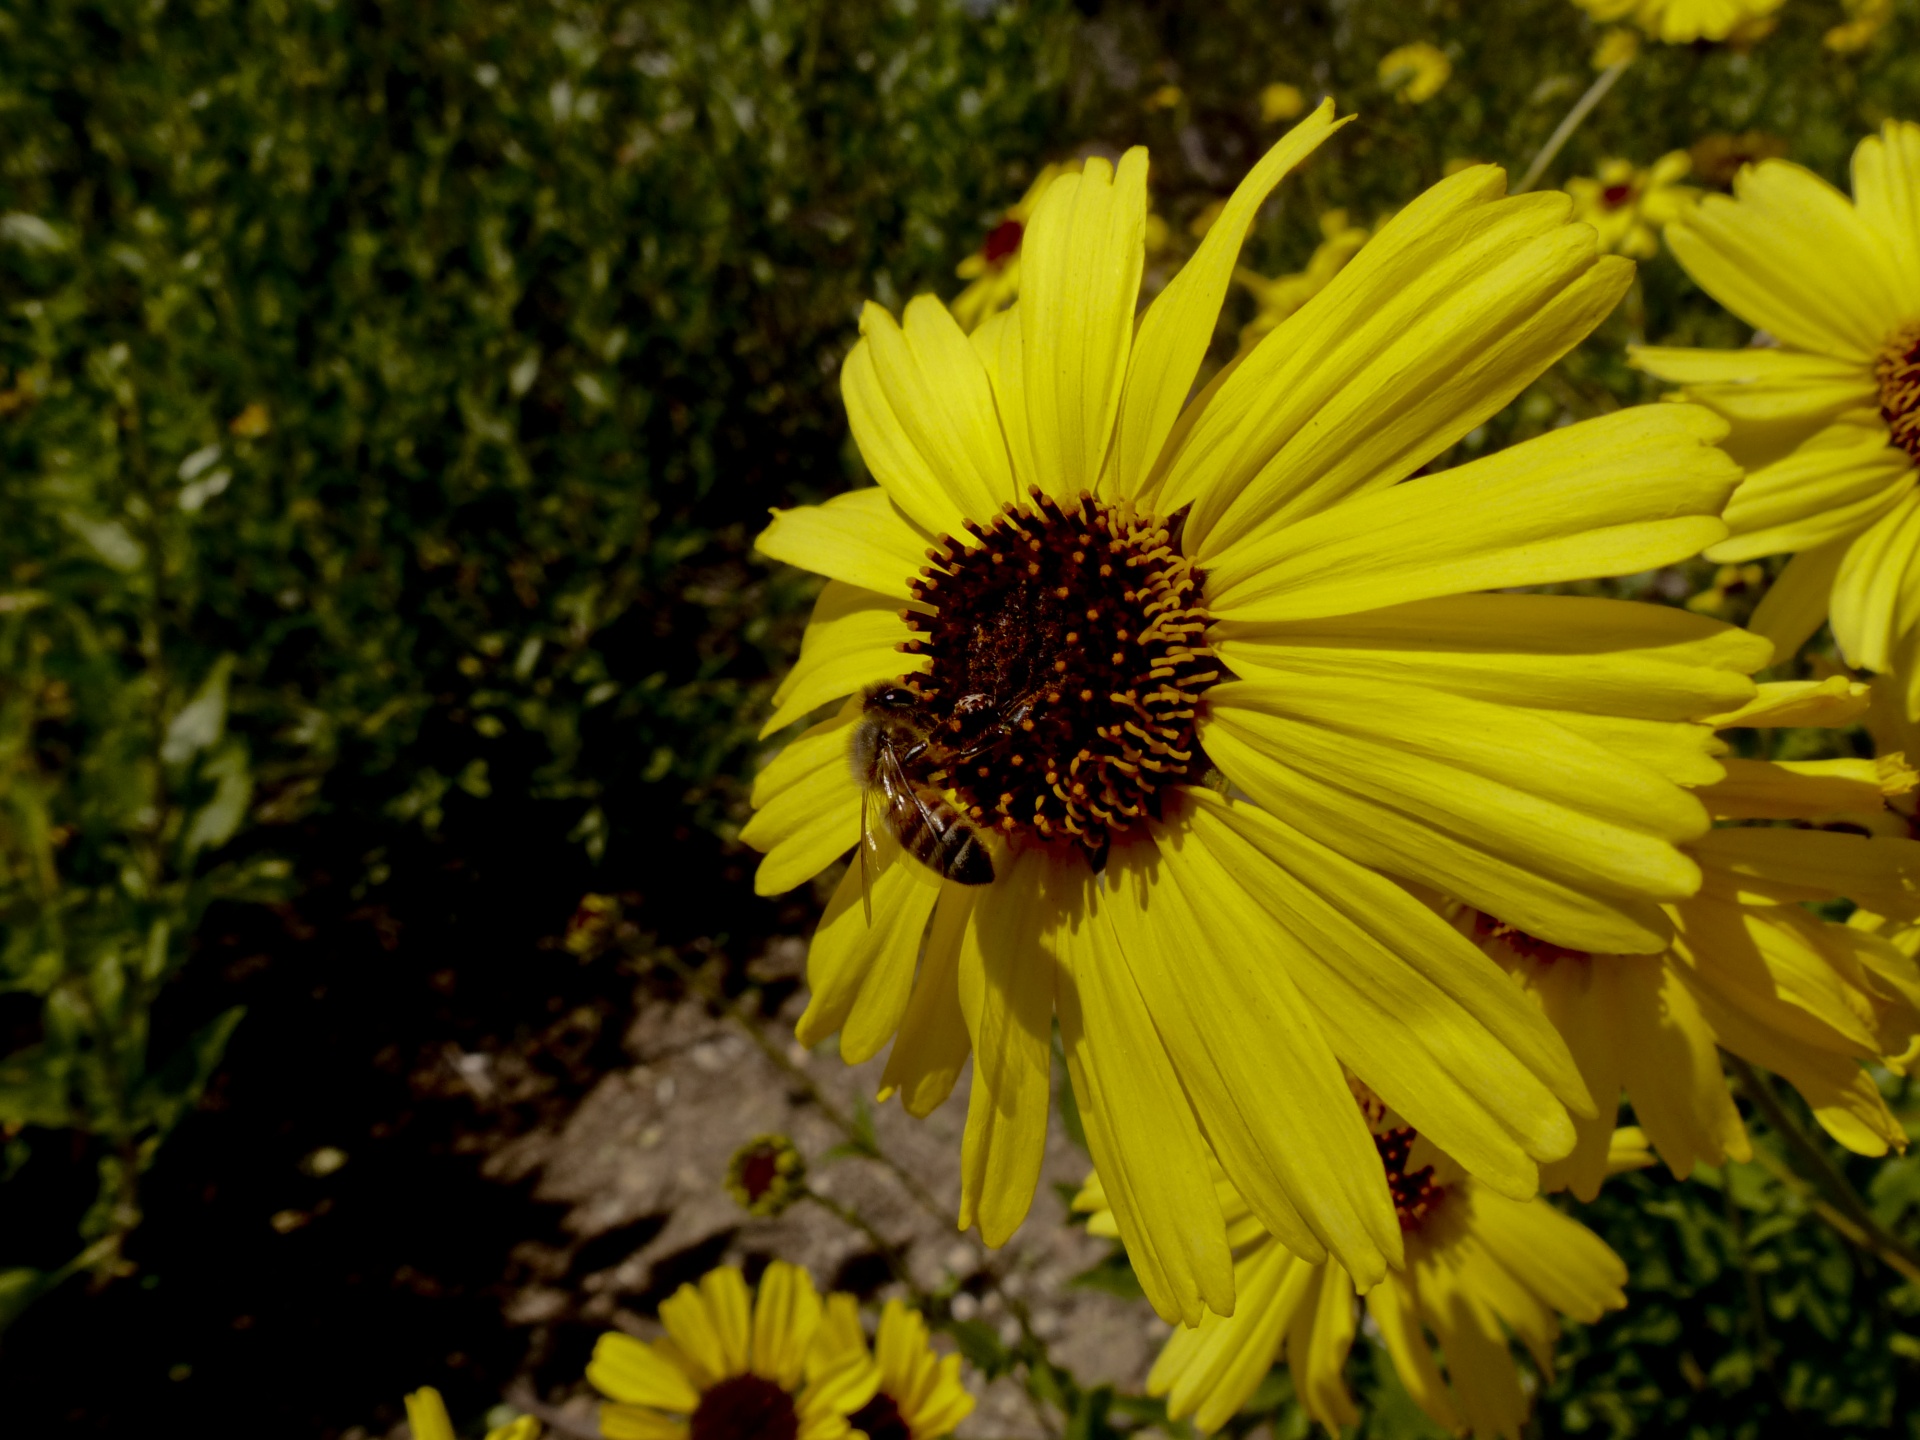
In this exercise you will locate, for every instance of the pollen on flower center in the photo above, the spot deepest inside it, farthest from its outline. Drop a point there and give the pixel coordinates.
(1898, 371)
(1068, 654)
(745, 1407)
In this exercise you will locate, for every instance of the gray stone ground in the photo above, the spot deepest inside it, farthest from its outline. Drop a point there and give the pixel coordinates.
(652, 1141)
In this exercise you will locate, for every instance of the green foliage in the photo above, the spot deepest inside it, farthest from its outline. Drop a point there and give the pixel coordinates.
(388, 394)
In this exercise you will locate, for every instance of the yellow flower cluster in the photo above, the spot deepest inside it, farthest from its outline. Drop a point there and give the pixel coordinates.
(1174, 703)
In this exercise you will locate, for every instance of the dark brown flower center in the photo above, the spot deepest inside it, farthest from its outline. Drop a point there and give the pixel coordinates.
(1068, 656)
(1898, 371)
(745, 1407)
(1414, 1192)
(1614, 196)
(880, 1419)
(1002, 243)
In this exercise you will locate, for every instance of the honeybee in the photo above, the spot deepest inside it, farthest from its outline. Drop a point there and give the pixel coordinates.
(892, 734)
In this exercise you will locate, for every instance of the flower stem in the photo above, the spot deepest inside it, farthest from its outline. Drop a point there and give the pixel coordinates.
(1582, 108)
(1843, 1210)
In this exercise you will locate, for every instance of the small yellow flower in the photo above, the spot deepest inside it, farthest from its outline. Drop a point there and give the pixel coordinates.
(1478, 1267)
(1415, 72)
(994, 269)
(1630, 206)
(428, 1419)
(732, 1366)
(1617, 46)
(1681, 22)
(1826, 408)
(1719, 157)
(1279, 298)
(1728, 581)
(1167, 97)
(920, 1396)
(1282, 102)
(766, 1175)
(1865, 20)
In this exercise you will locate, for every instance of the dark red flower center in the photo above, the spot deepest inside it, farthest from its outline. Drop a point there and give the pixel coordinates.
(746, 1407)
(1614, 196)
(1414, 1192)
(880, 1419)
(1068, 650)
(1898, 371)
(1002, 243)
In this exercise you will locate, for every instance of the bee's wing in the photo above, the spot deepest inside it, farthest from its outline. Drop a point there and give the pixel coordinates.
(867, 845)
(902, 792)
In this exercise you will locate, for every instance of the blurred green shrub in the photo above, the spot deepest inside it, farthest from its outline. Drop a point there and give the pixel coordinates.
(389, 388)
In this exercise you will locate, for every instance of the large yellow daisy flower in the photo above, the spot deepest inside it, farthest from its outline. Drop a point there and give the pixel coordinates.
(1750, 969)
(919, 1396)
(1109, 592)
(1832, 400)
(1681, 22)
(1479, 1267)
(732, 1366)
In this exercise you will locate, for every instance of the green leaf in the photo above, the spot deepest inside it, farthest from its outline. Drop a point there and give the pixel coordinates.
(199, 724)
(169, 1093)
(33, 1088)
(215, 822)
(19, 1289)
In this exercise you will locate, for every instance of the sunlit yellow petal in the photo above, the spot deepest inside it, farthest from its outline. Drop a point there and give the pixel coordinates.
(1835, 485)
(1006, 992)
(856, 966)
(859, 537)
(1886, 190)
(851, 642)
(933, 1043)
(1080, 264)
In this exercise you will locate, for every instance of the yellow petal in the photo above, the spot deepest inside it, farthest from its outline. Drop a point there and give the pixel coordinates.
(1874, 595)
(923, 415)
(1080, 263)
(1557, 652)
(1416, 1011)
(1580, 1000)
(809, 806)
(859, 537)
(1782, 967)
(1140, 1127)
(1395, 1315)
(1211, 1371)
(427, 1413)
(1266, 1086)
(1006, 992)
(1836, 700)
(1789, 255)
(711, 1326)
(786, 1315)
(1486, 1381)
(1569, 1267)
(998, 343)
(1886, 189)
(1763, 384)
(933, 1044)
(1178, 327)
(1627, 492)
(850, 643)
(1455, 769)
(1317, 1346)
(1203, 452)
(1783, 867)
(625, 1369)
(1441, 339)
(1670, 1066)
(857, 967)
(1835, 485)
(1794, 789)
